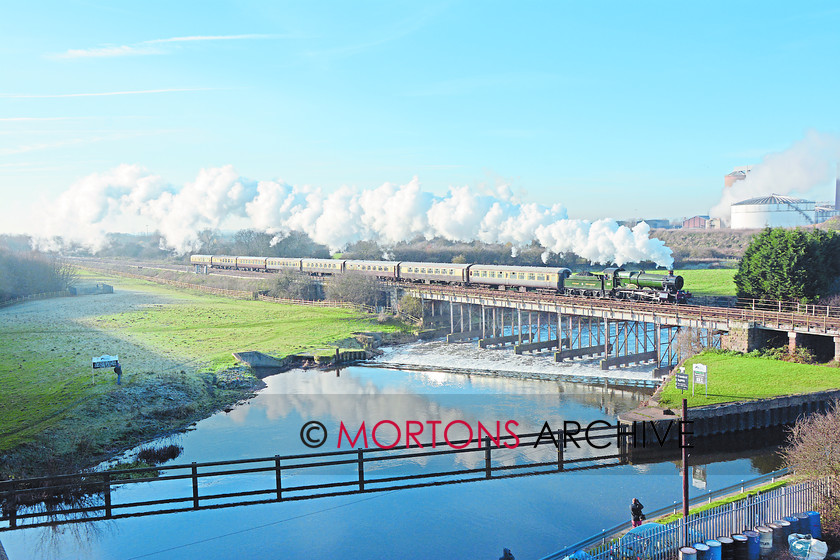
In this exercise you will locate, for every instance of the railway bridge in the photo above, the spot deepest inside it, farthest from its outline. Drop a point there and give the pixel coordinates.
(620, 332)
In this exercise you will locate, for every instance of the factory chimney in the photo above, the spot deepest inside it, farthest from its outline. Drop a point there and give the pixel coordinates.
(837, 189)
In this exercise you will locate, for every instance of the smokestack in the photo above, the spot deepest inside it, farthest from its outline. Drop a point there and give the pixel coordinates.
(837, 189)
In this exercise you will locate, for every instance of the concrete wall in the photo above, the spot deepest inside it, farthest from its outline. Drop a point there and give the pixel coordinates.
(746, 337)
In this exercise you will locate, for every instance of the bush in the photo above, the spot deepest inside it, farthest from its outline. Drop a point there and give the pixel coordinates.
(292, 285)
(813, 453)
(354, 288)
(789, 264)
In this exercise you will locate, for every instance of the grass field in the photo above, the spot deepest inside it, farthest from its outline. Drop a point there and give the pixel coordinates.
(709, 282)
(737, 378)
(163, 337)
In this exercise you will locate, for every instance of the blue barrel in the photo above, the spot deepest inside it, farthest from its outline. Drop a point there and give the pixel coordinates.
(787, 528)
(714, 549)
(740, 542)
(727, 548)
(765, 540)
(753, 549)
(814, 524)
(794, 524)
(779, 538)
(804, 523)
(688, 553)
(702, 551)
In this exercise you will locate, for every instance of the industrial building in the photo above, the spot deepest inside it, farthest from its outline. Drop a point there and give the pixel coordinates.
(773, 211)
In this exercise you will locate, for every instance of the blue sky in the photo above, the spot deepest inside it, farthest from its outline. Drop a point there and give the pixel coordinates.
(609, 108)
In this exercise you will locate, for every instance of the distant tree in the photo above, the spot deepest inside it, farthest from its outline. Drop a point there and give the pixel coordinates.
(813, 452)
(293, 285)
(363, 250)
(459, 259)
(298, 244)
(411, 305)
(789, 264)
(23, 274)
(353, 287)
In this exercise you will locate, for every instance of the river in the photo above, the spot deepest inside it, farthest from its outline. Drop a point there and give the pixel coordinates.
(532, 516)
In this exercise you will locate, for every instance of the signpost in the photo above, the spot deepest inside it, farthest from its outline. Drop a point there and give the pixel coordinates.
(682, 380)
(106, 361)
(700, 377)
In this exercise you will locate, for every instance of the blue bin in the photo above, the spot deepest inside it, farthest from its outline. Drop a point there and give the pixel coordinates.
(787, 528)
(727, 548)
(814, 524)
(794, 524)
(753, 550)
(714, 549)
(702, 551)
(804, 523)
(740, 546)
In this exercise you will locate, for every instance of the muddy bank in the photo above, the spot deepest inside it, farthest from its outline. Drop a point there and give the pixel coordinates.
(150, 406)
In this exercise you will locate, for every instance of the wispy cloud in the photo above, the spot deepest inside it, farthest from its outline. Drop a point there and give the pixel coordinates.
(192, 38)
(96, 94)
(38, 119)
(147, 47)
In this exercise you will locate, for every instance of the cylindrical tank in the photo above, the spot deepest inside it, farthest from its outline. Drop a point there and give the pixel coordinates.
(765, 540)
(702, 551)
(714, 549)
(740, 546)
(804, 523)
(688, 553)
(787, 527)
(727, 548)
(779, 538)
(794, 524)
(753, 548)
(814, 516)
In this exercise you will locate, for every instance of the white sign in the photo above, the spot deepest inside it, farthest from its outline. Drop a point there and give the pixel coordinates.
(105, 361)
(699, 373)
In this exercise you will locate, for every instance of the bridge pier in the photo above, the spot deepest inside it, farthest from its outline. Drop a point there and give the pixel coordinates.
(539, 345)
(498, 341)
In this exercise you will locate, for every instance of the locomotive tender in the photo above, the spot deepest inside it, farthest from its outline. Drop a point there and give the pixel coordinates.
(613, 283)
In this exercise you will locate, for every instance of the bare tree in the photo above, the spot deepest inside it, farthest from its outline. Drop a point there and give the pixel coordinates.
(813, 452)
(293, 285)
(353, 287)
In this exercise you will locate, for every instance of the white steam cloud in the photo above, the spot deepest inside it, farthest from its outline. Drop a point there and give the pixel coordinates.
(387, 214)
(809, 163)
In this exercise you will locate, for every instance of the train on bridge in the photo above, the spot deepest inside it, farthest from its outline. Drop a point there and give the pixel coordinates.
(613, 283)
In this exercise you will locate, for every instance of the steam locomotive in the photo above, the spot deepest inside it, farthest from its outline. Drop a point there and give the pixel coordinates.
(613, 283)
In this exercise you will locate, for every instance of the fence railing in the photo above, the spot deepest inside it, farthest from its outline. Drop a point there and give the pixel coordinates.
(91, 496)
(661, 542)
(35, 297)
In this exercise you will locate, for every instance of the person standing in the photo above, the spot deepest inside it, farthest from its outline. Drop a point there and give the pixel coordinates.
(636, 508)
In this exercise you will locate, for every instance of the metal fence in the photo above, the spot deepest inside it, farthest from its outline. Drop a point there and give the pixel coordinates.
(35, 297)
(663, 542)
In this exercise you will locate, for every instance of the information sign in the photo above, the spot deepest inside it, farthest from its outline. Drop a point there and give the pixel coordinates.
(106, 361)
(682, 381)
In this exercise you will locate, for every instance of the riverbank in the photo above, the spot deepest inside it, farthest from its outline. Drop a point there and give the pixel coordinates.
(175, 349)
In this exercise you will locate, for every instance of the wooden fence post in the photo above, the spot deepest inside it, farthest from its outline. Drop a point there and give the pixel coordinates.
(106, 489)
(195, 485)
(361, 470)
(278, 482)
(488, 471)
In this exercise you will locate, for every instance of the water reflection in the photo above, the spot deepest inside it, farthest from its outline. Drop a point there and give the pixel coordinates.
(532, 516)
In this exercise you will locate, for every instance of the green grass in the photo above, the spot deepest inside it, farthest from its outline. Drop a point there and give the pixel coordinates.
(738, 378)
(722, 501)
(709, 282)
(45, 362)
(214, 327)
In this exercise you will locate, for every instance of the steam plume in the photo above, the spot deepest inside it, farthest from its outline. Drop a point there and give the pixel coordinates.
(387, 214)
(807, 164)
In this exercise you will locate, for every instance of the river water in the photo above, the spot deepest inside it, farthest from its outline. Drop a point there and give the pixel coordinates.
(532, 516)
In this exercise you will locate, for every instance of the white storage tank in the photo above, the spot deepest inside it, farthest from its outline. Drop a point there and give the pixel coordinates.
(772, 211)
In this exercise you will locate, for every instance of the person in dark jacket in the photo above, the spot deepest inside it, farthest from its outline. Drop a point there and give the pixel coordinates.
(636, 508)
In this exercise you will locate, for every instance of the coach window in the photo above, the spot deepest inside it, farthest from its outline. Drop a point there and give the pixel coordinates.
(530, 276)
